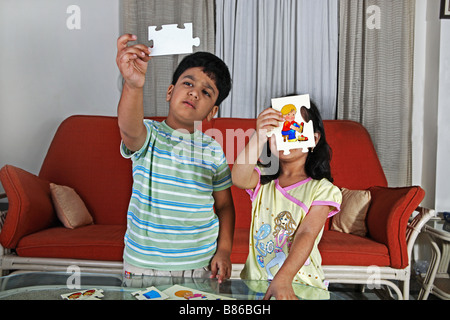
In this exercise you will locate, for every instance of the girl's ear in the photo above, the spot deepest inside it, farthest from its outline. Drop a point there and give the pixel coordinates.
(317, 137)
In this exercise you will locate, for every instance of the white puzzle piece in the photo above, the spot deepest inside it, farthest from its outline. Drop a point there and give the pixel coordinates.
(294, 132)
(172, 40)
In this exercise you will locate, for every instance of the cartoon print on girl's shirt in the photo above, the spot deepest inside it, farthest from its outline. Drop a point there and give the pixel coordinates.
(283, 234)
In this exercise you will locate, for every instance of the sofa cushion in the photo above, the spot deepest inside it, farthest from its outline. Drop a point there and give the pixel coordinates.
(352, 217)
(240, 245)
(30, 205)
(92, 242)
(338, 248)
(69, 207)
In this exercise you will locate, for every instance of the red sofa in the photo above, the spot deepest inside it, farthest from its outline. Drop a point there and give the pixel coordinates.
(84, 155)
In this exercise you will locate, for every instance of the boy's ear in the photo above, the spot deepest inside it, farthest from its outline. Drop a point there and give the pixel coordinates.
(169, 92)
(212, 113)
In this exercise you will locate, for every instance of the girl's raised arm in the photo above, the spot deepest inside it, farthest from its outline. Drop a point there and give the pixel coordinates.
(243, 174)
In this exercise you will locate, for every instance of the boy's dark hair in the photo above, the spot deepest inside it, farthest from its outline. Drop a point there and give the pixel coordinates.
(317, 164)
(213, 66)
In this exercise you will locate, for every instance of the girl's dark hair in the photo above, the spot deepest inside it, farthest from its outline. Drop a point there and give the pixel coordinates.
(317, 164)
(213, 66)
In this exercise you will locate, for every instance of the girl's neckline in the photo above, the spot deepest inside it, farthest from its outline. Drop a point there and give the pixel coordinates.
(295, 185)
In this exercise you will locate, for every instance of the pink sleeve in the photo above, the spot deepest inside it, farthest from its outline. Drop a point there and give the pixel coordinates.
(253, 192)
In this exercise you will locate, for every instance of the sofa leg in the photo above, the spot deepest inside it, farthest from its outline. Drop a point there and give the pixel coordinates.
(406, 289)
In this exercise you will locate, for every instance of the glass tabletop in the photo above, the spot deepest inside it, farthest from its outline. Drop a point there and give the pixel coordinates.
(62, 285)
(438, 227)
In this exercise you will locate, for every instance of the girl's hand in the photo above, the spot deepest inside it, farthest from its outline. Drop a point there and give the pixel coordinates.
(268, 120)
(132, 61)
(280, 290)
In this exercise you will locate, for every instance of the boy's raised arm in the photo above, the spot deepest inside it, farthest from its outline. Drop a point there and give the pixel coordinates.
(132, 62)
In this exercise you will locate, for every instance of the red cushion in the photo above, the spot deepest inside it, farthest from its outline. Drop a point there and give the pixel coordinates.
(339, 248)
(240, 245)
(93, 242)
(30, 205)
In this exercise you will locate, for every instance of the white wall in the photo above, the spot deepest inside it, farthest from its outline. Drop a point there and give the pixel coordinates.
(443, 124)
(431, 111)
(49, 71)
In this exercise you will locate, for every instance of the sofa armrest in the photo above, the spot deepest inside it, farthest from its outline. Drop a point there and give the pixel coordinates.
(388, 216)
(30, 205)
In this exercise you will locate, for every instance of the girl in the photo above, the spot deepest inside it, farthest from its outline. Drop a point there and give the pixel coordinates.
(293, 204)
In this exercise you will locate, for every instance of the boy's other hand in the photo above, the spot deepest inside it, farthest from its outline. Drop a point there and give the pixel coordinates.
(132, 60)
(221, 266)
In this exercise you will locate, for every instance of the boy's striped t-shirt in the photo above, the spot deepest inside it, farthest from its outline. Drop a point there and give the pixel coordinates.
(171, 224)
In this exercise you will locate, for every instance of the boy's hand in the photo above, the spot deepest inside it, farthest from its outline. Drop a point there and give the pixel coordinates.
(132, 61)
(221, 266)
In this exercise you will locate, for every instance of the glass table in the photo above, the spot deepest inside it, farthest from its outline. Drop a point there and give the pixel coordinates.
(55, 285)
(437, 280)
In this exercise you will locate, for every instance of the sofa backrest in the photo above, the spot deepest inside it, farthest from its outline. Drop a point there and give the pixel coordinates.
(85, 155)
(354, 163)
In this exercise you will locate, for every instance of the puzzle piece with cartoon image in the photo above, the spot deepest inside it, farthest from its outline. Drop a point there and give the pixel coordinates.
(294, 132)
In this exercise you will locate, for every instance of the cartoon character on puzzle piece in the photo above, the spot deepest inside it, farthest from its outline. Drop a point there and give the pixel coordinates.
(290, 127)
(189, 295)
(294, 132)
(172, 40)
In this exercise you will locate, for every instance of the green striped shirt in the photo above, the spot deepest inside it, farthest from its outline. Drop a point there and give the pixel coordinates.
(171, 224)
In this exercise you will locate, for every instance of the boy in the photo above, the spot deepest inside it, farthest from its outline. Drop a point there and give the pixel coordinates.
(179, 174)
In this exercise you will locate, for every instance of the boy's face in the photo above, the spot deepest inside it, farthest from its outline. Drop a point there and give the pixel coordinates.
(290, 116)
(191, 99)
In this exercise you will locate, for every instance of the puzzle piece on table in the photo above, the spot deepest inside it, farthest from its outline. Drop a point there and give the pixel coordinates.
(178, 292)
(295, 132)
(150, 293)
(91, 294)
(172, 40)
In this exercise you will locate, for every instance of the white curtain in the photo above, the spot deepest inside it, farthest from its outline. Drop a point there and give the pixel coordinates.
(276, 48)
(376, 77)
